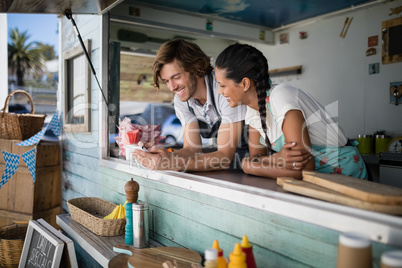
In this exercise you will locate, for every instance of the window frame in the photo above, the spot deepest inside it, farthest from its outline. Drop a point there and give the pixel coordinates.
(69, 55)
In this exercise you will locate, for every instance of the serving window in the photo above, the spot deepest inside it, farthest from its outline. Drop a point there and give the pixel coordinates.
(132, 51)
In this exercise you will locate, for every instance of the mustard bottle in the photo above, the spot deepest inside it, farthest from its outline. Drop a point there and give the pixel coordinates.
(221, 260)
(237, 259)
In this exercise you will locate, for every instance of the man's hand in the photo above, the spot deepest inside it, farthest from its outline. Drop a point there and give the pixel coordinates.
(156, 159)
(294, 159)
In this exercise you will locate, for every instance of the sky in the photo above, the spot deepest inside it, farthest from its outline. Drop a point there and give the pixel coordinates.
(42, 27)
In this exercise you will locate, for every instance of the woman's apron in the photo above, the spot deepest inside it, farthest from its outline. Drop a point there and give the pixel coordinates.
(207, 131)
(345, 160)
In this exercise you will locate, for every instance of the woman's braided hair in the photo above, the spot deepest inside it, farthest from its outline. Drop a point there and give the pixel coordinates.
(240, 61)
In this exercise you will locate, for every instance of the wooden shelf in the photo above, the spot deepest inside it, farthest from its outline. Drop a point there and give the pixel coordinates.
(99, 247)
(286, 71)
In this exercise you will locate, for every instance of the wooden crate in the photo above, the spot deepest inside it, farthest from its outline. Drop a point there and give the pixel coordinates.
(48, 153)
(9, 217)
(20, 198)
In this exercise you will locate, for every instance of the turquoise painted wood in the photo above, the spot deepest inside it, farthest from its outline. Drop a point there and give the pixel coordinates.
(194, 220)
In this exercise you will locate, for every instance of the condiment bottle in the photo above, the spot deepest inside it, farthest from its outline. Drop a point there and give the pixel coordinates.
(247, 248)
(391, 259)
(221, 260)
(354, 250)
(131, 188)
(211, 258)
(237, 259)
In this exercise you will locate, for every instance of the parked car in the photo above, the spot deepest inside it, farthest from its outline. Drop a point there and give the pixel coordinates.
(173, 131)
(164, 115)
(154, 114)
(18, 108)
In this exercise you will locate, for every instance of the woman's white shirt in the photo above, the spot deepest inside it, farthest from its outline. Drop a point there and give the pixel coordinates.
(323, 129)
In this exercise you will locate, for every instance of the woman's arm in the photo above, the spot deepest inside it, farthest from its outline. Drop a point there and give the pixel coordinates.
(255, 148)
(295, 129)
(281, 163)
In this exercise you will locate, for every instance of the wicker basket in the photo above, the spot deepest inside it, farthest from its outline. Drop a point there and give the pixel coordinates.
(89, 212)
(20, 126)
(11, 243)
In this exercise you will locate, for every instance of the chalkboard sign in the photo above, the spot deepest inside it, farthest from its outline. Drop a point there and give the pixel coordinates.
(68, 259)
(41, 248)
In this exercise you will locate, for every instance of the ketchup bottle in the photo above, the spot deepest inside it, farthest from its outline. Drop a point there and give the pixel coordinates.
(247, 248)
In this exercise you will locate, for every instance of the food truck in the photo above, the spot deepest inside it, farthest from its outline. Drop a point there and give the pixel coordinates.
(107, 50)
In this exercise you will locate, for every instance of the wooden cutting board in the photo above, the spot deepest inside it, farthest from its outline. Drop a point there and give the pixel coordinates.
(152, 257)
(315, 191)
(361, 189)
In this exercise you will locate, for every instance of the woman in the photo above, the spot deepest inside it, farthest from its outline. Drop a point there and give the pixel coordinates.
(282, 113)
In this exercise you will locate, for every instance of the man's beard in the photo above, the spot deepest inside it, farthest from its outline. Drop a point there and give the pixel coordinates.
(191, 86)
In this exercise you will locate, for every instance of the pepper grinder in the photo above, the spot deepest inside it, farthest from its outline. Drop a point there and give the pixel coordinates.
(131, 187)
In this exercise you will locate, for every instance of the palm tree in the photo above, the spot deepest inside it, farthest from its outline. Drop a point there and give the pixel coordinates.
(23, 56)
(48, 52)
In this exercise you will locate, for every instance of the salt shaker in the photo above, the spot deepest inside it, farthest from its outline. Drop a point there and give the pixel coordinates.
(140, 225)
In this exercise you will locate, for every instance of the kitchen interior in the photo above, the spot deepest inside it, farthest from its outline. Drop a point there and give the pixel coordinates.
(363, 96)
(346, 58)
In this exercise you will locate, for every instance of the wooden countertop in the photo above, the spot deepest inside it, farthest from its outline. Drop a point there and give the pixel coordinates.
(239, 177)
(99, 247)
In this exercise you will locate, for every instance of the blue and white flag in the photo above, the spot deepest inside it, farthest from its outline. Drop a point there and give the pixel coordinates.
(55, 124)
(30, 161)
(12, 163)
(34, 139)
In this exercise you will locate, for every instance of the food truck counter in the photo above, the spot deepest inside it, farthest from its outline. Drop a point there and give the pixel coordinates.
(265, 195)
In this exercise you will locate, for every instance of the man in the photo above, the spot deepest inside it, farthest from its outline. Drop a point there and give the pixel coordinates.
(187, 72)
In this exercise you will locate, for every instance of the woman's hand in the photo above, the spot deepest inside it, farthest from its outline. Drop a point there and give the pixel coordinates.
(293, 159)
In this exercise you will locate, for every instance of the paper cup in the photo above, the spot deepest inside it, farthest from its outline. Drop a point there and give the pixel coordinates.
(130, 150)
(391, 259)
(133, 136)
(354, 250)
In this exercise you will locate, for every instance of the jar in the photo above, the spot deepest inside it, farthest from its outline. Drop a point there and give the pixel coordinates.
(381, 142)
(365, 144)
(354, 250)
(391, 259)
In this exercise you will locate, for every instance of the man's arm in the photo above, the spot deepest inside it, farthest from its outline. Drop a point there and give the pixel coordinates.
(191, 140)
(228, 138)
(190, 157)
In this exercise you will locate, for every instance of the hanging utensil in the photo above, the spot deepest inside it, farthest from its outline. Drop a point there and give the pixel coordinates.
(344, 26)
(347, 27)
